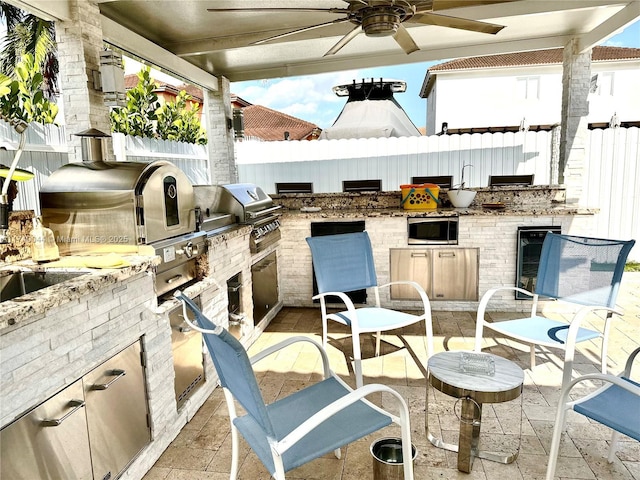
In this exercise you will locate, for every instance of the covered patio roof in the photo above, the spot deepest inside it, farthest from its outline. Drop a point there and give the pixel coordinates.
(185, 39)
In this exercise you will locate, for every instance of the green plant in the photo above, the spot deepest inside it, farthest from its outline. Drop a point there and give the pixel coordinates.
(139, 116)
(632, 267)
(27, 33)
(179, 123)
(22, 98)
(145, 117)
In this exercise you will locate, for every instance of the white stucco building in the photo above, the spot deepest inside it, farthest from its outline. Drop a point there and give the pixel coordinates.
(511, 91)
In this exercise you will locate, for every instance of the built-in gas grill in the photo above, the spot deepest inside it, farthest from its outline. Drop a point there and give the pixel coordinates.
(251, 206)
(99, 206)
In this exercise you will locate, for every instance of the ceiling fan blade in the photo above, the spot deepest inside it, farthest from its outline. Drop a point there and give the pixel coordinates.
(405, 41)
(449, 4)
(279, 9)
(427, 18)
(344, 40)
(299, 30)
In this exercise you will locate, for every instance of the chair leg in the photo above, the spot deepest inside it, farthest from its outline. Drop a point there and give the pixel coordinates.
(532, 356)
(555, 440)
(615, 436)
(357, 358)
(338, 453)
(234, 453)
(324, 332)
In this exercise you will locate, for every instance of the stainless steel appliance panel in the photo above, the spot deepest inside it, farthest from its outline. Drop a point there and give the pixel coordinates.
(529, 245)
(455, 274)
(432, 230)
(186, 348)
(175, 277)
(116, 412)
(167, 203)
(410, 265)
(50, 442)
(121, 203)
(264, 276)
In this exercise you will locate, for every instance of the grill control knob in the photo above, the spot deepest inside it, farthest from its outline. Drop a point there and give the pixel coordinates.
(187, 250)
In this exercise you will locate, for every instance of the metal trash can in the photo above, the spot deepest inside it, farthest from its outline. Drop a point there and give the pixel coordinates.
(387, 459)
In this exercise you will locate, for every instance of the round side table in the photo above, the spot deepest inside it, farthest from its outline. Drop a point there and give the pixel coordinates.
(474, 389)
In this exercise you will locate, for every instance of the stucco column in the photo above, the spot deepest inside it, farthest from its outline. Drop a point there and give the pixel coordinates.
(79, 45)
(217, 109)
(576, 78)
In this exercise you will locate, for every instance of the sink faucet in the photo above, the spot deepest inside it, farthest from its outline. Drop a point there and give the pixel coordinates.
(19, 127)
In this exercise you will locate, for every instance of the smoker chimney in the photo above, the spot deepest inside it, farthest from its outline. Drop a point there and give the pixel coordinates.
(92, 145)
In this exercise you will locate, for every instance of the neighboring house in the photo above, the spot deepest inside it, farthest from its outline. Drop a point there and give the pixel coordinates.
(168, 93)
(267, 125)
(260, 123)
(524, 91)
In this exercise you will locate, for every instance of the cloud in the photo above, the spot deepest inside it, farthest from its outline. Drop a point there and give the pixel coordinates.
(309, 98)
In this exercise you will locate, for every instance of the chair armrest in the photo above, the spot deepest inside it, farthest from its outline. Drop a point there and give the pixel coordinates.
(423, 295)
(289, 341)
(492, 291)
(629, 364)
(613, 379)
(343, 296)
(351, 309)
(352, 397)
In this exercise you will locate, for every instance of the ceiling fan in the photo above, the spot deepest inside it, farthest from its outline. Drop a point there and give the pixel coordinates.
(381, 18)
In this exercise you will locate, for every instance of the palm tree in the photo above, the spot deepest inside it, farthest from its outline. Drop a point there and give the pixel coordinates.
(27, 33)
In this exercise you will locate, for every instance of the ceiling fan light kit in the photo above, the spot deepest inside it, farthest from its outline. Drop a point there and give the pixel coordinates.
(384, 18)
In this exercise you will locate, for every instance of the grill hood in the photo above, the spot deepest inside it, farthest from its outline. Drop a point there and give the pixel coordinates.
(246, 201)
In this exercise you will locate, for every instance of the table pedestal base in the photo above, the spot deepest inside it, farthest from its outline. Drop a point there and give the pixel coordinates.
(469, 437)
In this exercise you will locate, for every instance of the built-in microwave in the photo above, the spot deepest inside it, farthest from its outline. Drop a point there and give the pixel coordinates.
(433, 231)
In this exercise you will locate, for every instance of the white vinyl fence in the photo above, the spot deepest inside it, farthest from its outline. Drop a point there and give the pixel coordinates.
(327, 163)
(612, 181)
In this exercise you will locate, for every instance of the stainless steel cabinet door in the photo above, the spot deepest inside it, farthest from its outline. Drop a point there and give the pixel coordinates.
(410, 264)
(455, 274)
(264, 277)
(116, 412)
(50, 442)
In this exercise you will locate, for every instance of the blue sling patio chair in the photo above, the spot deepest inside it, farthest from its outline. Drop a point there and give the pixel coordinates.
(303, 426)
(344, 263)
(616, 404)
(582, 271)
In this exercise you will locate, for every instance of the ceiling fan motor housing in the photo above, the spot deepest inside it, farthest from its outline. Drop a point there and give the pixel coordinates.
(384, 20)
(380, 24)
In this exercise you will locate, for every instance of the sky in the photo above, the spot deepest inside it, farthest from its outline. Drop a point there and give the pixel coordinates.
(310, 97)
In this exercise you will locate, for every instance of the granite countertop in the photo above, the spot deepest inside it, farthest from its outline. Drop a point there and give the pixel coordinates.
(519, 210)
(517, 201)
(35, 305)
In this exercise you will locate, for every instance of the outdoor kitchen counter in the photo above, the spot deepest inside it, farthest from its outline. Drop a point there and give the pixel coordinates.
(35, 305)
(518, 200)
(534, 210)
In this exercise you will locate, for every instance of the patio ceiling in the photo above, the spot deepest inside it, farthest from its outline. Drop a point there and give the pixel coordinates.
(185, 39)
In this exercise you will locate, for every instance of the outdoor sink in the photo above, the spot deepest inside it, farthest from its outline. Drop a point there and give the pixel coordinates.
(17, 284)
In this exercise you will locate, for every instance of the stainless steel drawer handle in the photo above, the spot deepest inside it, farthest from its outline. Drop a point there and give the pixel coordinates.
(103, 386)
(174, 279)
(54, 422)
(419, 254)
(446, 254)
